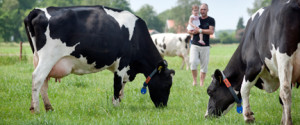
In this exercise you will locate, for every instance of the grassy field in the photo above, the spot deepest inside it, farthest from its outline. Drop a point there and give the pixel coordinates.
(87, 99)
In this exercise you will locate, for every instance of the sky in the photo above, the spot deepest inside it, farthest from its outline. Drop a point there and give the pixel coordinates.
(225, 12)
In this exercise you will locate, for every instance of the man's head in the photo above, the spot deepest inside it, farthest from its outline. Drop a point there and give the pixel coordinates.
(204, 10)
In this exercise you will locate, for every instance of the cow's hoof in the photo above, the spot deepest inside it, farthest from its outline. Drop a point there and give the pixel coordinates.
(249, 117)
(250, 120)
(116, 102)
(49, 108)
(31, 110)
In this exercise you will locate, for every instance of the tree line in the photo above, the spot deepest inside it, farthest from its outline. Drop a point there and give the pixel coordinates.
(13, 12)
(235, 36)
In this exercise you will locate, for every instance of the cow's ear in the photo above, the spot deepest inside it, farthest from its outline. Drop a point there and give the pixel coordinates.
(187, 39)
(162, 65)
(218, 75)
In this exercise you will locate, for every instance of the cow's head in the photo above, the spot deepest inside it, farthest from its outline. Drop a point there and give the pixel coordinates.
(160, 85)
(220, 98)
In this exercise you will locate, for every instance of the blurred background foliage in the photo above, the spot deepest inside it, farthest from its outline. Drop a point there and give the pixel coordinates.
(13, 12)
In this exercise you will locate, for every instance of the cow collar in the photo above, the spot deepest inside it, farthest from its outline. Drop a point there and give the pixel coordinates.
(144, 89)
(238, 101)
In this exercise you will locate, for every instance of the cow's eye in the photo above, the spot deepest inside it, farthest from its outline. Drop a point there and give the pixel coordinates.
(209, 91)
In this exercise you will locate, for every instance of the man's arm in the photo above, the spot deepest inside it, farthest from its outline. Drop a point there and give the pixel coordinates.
(209, 31)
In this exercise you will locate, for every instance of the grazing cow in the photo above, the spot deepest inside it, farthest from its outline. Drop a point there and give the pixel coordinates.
(88, 39)
(268, 56)
(170, 44)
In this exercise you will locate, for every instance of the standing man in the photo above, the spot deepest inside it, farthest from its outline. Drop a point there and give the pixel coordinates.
(200, 53)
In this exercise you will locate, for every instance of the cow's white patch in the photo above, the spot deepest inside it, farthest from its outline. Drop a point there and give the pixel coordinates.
(270, 83)
(288, 1)
(272, 63)
(46, 12)
(271, 80)
(81, 66)
(259, 12)
(32, 39)
(116, 102)
(245, 91)
(124, 18)
(206, 113)
(123, 73)
(55, 47)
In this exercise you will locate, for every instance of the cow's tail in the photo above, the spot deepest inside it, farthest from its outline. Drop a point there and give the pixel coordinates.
(29, 27)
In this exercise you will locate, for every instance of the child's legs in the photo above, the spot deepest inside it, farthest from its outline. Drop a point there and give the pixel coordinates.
(201, 36)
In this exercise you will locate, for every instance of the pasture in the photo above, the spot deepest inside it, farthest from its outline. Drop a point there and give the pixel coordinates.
(87, 99)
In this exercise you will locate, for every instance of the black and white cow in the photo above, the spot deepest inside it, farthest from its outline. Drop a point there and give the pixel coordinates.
(170, 44)
(268, 57)
(88, 39)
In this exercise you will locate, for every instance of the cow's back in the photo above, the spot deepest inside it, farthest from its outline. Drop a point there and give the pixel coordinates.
(170, 44)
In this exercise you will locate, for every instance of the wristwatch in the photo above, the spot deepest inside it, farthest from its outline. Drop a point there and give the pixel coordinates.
(200, 31)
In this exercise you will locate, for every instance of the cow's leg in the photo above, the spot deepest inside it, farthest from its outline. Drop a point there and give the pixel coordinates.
(38, 77)
(122, 90)
(44, 93)
(117, 88)
(185, 61)
(250, 79)
(285, 69)
(245, 91)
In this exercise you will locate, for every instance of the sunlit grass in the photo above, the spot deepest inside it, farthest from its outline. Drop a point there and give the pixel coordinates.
(87, 99)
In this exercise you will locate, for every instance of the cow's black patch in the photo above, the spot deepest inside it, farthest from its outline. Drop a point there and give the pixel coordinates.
(155, 41)
(164, 46)
(180, 39)
(162, 51)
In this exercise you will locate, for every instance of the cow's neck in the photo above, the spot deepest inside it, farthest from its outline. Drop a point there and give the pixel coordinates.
(235, 70)
(148, 57)
(151, 60)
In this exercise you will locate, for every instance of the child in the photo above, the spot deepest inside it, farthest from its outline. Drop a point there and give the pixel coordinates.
(195, 22)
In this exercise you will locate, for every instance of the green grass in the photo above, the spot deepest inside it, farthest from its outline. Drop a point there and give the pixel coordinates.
(87, 99)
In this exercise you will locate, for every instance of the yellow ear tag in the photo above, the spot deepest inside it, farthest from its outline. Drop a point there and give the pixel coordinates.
(159, 68)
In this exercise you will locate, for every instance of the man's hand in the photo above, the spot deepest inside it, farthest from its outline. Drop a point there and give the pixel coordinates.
(196, 30)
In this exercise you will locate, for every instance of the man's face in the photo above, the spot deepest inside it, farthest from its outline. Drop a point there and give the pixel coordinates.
(203, 10)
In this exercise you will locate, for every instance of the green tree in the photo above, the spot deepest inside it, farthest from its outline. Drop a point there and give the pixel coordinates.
(183, 11)
(226, 37)
(121, 4)
(59, 3)
(12, 13)
(180, 14)
(240, 29)
(240, 24)
(257, 5)
(147, 13)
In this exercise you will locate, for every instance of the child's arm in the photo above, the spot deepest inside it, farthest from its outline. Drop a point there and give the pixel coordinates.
(190, 22)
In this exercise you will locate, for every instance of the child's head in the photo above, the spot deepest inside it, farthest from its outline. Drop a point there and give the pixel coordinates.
(195, 10)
